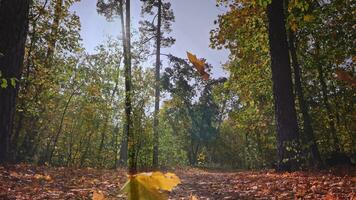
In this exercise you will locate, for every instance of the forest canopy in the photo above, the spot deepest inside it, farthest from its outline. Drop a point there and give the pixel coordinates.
(70, 105)
(286, 101)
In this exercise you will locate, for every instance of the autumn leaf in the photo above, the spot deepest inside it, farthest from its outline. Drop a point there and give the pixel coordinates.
(329, 197)
(199, 65)
(43, 177)
(98, 196)
(150, 186)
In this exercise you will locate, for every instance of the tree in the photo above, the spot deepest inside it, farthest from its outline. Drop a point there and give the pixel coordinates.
(110, 9)
(286, 119)
(247, 135)
(304, 107)
(13, 33)
(196, 121)
(157, 88)
(35, 111)
(164, 16)
(132, 165)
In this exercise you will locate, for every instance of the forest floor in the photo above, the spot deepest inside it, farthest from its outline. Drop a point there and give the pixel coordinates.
(30, 182)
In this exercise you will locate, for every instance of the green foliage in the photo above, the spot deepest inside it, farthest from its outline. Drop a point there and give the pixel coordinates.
(322, 48)
(3, 83)
(70, 108)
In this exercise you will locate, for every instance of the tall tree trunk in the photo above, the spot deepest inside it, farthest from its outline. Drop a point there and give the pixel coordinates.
(324, 90)
(124, 144)
(157, 86)
(286, 119)
(304, 108)
(13, 32)
(132, 165)
(28, 61)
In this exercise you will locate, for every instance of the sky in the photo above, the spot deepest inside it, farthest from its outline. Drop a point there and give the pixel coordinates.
(193, 21)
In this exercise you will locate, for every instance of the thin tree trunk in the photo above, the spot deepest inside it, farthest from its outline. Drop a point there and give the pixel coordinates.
(308, 129)
(116, 144)
(132, 165)
(61, 124)
(13, 32)
(324, 91)
(124, 144)
(286, 119)
(108, 116)
(328, 110)
(157, 87)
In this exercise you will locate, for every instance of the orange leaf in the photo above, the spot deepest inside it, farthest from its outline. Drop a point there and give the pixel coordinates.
(98, 196)
(199, 65)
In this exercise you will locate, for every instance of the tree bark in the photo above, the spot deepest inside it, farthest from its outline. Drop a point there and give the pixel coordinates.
(13, 32)
(132, 165)
(157, 87)
(304, 108)
(286, 119)
(124, 145)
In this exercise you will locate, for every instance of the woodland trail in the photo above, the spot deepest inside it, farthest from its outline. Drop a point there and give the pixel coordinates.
(29, 182)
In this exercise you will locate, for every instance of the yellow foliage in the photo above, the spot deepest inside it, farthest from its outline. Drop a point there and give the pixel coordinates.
(150, 186)
(294, 26)
(308, 18)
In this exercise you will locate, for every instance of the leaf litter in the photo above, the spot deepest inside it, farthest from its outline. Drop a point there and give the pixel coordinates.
(25, 182)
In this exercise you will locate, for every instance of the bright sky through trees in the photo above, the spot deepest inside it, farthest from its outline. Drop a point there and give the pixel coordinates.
(191, 29)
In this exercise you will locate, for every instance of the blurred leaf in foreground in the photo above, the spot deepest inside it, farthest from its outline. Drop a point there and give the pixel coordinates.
(150, 186)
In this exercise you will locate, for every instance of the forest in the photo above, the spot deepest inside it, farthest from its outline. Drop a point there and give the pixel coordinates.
(130, 121)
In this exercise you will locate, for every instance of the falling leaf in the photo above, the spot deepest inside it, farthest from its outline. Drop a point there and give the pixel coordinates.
(98, 196)
(193, 197)
(199, 65)
(150, 186)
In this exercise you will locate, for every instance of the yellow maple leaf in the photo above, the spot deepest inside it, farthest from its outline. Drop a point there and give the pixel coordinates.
(150, 186)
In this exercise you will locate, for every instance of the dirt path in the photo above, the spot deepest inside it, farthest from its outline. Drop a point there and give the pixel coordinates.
(28, 182)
